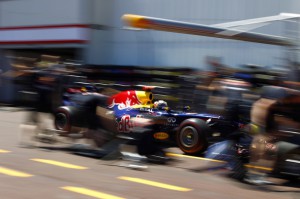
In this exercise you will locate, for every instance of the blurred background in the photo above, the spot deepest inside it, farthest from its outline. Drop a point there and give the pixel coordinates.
(49, 47)
(87, 38)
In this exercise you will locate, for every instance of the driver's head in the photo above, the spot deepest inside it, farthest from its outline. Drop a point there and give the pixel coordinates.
(160, 104)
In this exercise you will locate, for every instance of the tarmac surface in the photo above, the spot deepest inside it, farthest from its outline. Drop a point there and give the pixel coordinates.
(35, 173)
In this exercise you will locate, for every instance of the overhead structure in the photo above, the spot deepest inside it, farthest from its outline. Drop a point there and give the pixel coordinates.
(236, 30)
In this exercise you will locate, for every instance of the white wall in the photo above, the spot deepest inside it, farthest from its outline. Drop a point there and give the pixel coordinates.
(154, 48)
(110, 44)
(39, 12)
(99, 50)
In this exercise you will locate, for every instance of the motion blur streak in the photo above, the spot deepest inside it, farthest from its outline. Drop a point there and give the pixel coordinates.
(155, 184)
(213, 160)
(11, 172)
(145, 22)
(92, 193)
(187, 156)
(4, 151)
(136, 21)
(60, 164)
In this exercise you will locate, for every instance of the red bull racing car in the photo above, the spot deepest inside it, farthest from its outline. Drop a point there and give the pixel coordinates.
(191, 132)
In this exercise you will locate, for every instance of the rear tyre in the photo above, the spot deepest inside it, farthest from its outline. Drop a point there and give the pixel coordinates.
(191, 136)
(62, 119)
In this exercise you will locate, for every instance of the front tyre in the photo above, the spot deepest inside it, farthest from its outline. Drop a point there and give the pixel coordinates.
(191, 136)
(288, 166)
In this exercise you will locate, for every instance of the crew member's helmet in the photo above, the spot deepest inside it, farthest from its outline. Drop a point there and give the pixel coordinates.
(160, 104)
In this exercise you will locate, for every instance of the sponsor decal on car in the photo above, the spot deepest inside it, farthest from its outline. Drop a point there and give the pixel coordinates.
(161, 135)
(171, 119)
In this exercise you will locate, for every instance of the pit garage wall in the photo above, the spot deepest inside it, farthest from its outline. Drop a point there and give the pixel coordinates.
(39, 12)
(110, 44)
(42, 24)
(153, 48)
(33, 27)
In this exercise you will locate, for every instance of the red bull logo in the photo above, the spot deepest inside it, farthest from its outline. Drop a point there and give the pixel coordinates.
(127, 99)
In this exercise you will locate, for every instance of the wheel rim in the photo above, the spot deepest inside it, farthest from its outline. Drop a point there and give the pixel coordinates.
(61, 121)
(189, 136)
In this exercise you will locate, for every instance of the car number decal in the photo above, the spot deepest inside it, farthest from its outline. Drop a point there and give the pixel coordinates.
(125, 124)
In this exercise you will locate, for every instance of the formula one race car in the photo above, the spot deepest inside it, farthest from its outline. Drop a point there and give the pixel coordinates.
(191, 132)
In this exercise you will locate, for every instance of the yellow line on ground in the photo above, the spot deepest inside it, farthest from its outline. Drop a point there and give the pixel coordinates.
(14, 173)
(155, 184)
(212, 160)
(60, 164)
(192, 157)
(4, 151)
(258, 167)
(90, 192)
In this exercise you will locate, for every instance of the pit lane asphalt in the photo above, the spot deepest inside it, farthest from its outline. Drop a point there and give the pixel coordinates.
(34, 173)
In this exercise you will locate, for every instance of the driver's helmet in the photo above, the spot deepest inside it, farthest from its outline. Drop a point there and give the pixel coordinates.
(160, 104)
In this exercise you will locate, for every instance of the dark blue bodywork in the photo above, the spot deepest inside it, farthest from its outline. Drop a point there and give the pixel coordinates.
(220, 126)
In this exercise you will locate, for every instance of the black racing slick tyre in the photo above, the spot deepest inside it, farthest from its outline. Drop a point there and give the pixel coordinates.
(288, 166)
(62, 119)
(191, 136)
